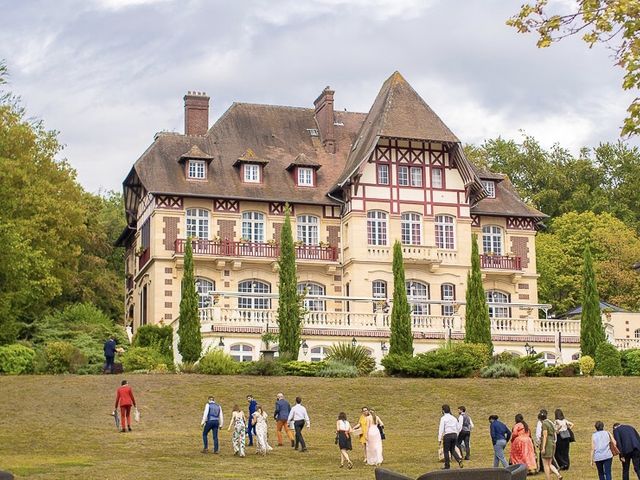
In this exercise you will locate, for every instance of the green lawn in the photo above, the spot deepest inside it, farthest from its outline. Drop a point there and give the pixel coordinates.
(59, 427)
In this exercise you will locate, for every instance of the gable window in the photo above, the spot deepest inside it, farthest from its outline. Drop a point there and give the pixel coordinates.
(403, 176)
(445, 232)
(492, 240)
(251, 173)
(376, 228)
(197, 169)
(305, 177)
(498, 311)
(436, 177)
(198, 223)
(418, 296)
(383, 174)
(307, 227)
(489, 187)
(312, 289)
(411, 229)
(241, 352)
(416, 176)
(448, 293)
(253, 227)
(204, 287)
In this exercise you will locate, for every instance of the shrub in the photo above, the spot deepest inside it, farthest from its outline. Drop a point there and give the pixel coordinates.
(188, 367)
(267, 368)
(63, 357)
(529, 365)
(608, 360)
(569, 370)
(587, 365)
(504, 357)
(16, 359)
(217, 362)
(630, 360)
(141, 358)
(500, 370)
(156, 336)
(357, 355)
(303, 369)
(338, 369)
(397, 364)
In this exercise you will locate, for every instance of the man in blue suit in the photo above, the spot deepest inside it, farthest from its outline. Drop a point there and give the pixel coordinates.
(251, 429)
(109, 354)
(628, 442)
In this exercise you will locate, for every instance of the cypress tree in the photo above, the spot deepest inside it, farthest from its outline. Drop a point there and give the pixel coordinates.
(401, 341)
(477, 322)
(290, 310)
(591, 329)
(190, 338)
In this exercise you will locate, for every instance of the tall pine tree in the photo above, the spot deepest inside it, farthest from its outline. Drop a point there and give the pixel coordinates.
(477, 322)
(290, 309)
(401, 341)
(190, 338)
(591, 329)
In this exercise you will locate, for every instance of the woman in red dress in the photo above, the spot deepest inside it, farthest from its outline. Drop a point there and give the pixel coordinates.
(522, 446)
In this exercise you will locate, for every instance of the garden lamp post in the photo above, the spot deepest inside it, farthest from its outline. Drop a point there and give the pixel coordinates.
(384, 348)
(305, 348)
(221, 342)
(354, 342)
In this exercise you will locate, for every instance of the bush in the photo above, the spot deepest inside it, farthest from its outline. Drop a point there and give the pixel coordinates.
(63, 357)
(397, 364)
(16, 359)
(338, 369)
(569, 370)
(357, 355)
(504, 357)
(500, 370)
(303, 369)
(267, 368)
(188, 367)
(529, 365)
(630, 360)
(217, 362)
(587, 365)
(608, 360)
(160, 338)
(141, 358)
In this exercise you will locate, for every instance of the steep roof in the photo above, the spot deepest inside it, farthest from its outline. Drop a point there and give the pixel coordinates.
(506, 202)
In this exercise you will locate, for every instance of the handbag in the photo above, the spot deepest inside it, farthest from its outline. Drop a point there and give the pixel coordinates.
(381, 429)
(572, 438)
(565, 434)
(136, 414)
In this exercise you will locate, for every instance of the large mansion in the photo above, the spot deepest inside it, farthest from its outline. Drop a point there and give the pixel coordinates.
(356, 182)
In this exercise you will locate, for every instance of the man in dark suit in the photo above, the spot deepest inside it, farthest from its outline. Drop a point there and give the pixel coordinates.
(251, 428)
(628, 442)
(109, 354)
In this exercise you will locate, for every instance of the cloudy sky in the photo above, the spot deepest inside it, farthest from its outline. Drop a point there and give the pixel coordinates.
(108, 74)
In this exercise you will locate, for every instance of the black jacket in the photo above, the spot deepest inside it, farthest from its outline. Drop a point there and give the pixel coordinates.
(627, 439)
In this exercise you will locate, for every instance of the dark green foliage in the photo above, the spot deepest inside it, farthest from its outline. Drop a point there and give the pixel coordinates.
(267, 368)
(142, 358)
(529, 365)
(16, 359)
(500, 370)
(63, 357)
(190, 343)
(338, 369)
(591, 328)
(217, 362)
(504, 357)
(630, 360)
(568, 370)
(290, 308)
(477, 322)
(302, 369)
(608, 360)
(358, 356)
(156, 336)
(401, 340)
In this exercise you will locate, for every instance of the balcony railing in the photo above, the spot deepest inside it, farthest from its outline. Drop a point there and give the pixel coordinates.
(228, 248)
(502, 262)
(627, 343)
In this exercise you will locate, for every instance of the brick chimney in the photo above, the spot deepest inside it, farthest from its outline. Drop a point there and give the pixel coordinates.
(196, 113)
(324, 119)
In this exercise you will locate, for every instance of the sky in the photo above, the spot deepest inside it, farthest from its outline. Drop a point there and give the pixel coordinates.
(109, 74)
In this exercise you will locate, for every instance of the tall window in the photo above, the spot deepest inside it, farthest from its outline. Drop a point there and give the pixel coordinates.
(403, 176)
(498, 311)
(254, 286)
(198, 223)
(445, 232)
(253, 226)
(305, 176)
(637, 333)
(197, 169)
(411, 228)
(377, 228)
(436, 177)
(492, 239)
(383, 174)
(448, 293)
(418, 295)
(312, 304)
(241, 352)
(379, 289)
(203, 287)
(307, 227)
(489, 187)
(251, 173)
(318, 353)
(416, 176)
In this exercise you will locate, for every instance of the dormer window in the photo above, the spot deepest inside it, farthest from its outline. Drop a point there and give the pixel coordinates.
(489, 187)
(251, 166)
(251, 173)
(305, 177)
(197, 169)
(304, 171)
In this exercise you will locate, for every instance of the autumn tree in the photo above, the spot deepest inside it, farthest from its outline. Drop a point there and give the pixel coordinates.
(401, 340)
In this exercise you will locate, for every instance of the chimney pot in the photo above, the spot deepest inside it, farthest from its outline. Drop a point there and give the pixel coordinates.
(196, 113)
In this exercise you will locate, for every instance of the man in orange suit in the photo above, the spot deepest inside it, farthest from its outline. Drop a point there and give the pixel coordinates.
(125, 399)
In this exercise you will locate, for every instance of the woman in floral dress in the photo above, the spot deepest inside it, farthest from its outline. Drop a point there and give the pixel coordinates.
(239, 426)
(260, 422)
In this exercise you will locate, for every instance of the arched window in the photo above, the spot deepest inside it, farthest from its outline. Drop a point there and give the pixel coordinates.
(637, 333)
(377, 228)
(308, 226)
(418, 295)
(411, 228)
(312, 304)
(318, 353)
(198, 223)
(445, 232)
(492, 239)
(253, 227)
(241, 352)
(548, 358)
(203, 287)
(249, 302)
(497, 311)
(575, 357)
(448, 293)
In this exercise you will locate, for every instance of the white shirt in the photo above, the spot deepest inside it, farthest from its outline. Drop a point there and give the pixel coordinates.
(538, 432)
(298, 412)
(344, 425)
(205, 415)
(448, 424)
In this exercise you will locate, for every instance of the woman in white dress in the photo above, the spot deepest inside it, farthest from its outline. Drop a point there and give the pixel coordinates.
(374, 440)
(260, 421)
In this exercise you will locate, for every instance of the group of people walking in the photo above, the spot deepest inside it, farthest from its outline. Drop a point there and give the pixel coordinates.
(370, 431)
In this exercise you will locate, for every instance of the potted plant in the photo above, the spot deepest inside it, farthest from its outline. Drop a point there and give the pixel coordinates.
(268, 338)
